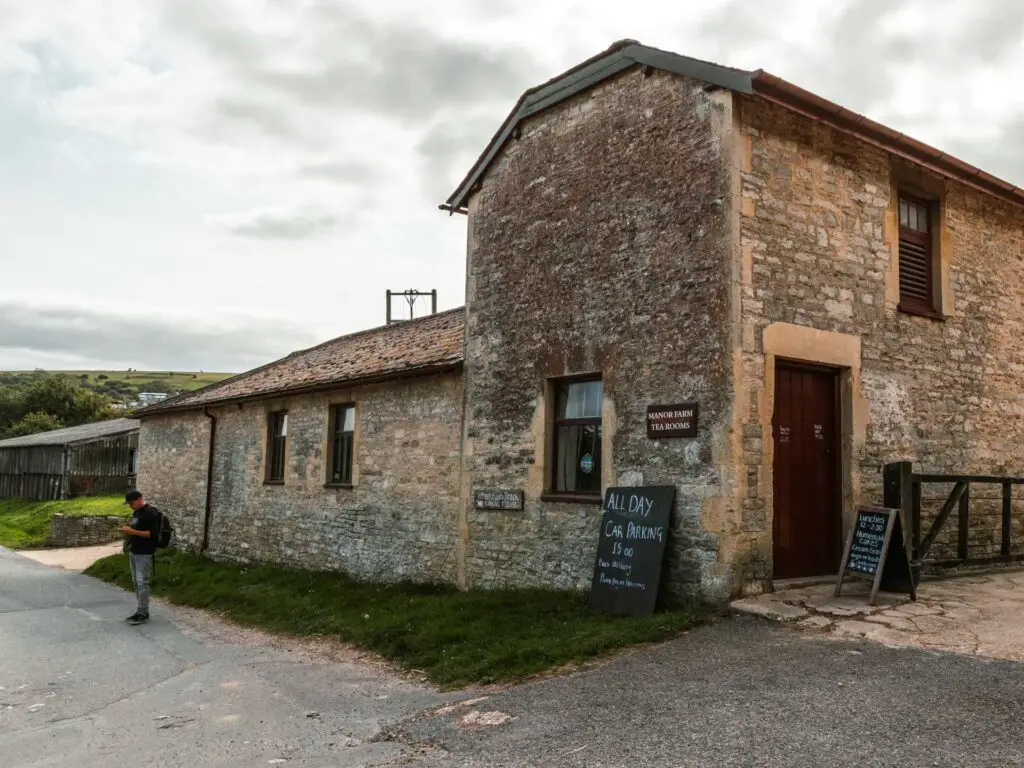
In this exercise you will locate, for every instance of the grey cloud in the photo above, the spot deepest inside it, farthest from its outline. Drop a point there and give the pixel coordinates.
(994, 29)
(147, 342)
(350, 62)
(1002, 157)
(248, 112)
(448, 149)
(297, 224)
(343, 171)
(856, 57)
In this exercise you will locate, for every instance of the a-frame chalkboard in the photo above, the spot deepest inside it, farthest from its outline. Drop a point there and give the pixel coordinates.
(876, 548)
(630, 549)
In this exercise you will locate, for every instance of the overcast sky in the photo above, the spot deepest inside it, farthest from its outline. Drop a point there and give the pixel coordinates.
(188, 184)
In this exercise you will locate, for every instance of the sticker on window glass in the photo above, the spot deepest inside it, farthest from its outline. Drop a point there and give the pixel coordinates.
(587, 463)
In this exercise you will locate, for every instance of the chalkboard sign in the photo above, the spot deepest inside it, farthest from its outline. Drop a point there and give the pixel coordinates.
(876, 547)
(630, 549)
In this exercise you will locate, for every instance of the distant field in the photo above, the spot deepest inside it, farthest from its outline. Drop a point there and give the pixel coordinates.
(187, 380)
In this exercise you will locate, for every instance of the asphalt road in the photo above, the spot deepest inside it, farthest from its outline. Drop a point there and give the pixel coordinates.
(747, 693)
(79, 687)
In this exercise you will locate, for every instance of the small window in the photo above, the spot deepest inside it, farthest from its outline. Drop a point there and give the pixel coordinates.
(132, 461)
(342, 427)
(277, 435)
(577, 438)
(917, 265)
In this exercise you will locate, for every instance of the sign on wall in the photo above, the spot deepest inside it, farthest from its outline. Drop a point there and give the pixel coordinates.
(665, 421)
(630, 549)
(492, 498)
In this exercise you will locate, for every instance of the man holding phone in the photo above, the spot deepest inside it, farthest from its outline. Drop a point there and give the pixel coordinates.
(140, 535)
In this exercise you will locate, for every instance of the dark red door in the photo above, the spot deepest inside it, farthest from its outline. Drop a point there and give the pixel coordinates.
(806, 517)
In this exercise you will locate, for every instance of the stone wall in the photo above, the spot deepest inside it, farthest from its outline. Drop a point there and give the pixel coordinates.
(820, 251)
(600, 242)
(173, 460)
(69, 531)
(397, 522)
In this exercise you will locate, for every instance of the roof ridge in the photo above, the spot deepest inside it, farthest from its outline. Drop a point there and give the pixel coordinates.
(617, 58)
(380, 330)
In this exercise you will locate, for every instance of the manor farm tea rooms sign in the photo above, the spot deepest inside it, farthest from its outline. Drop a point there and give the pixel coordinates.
(665, 421)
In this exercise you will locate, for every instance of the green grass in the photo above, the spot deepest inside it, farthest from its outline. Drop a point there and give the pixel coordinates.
(25, 524)
(454, 637)
(187, 380)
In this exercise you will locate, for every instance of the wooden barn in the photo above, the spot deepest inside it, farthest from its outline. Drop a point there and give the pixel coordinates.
(90, 460)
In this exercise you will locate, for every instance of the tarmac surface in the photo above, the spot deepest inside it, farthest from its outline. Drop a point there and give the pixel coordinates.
(79, 687)
(745, 692)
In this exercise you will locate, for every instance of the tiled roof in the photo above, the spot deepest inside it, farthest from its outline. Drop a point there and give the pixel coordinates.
(69, 435)
(413, 346)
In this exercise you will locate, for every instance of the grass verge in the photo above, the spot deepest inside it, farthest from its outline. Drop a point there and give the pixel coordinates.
(25, 524)
(455, 638)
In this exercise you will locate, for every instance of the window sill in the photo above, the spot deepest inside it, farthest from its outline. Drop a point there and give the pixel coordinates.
(273, 482)
(931, 314)
(342, 486)
(571, 498)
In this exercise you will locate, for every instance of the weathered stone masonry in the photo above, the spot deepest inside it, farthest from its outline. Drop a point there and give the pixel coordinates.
(71, 531)
(397, 522)
(599, 242)
(677, 238)
(819, 251)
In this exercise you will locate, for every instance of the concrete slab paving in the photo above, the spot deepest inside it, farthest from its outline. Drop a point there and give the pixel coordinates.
(979, 615)
(72, 558)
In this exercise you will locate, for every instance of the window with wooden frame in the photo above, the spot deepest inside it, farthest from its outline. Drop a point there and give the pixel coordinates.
(576, 442)
(277, 436)
(341, 428)
(917, 259)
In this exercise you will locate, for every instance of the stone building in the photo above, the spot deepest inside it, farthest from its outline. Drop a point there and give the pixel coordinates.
(649, 230)
(342, 456)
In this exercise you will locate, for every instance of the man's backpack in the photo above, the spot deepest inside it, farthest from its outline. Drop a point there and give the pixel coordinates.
(164, 530)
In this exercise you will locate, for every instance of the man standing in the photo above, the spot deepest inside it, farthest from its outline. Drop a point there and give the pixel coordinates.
(141, 536)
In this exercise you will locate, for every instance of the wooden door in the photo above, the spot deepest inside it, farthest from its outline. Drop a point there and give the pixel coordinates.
(806, 520)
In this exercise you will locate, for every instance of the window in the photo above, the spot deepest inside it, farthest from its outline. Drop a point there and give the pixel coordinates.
(277, 434)
(342, 426)
(577, 438)
(132, 459)
(917, 265)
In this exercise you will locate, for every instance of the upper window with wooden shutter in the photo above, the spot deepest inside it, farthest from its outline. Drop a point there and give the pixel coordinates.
(917, 264)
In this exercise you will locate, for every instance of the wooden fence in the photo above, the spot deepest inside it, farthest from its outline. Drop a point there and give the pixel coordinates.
(98, 467)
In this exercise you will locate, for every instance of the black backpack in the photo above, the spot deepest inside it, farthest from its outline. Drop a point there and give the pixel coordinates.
(164, 530)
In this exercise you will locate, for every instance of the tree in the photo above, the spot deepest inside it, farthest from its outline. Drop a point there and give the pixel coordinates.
(63, 399)
(32, 423)
(66, 401)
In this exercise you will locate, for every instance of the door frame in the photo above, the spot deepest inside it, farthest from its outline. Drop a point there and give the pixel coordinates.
(840, 479)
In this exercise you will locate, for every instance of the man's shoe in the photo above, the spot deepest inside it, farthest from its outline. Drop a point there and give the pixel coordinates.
(133, 617)
(139, 619)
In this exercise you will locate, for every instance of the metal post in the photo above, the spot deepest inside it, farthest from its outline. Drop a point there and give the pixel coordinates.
(387, 298)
